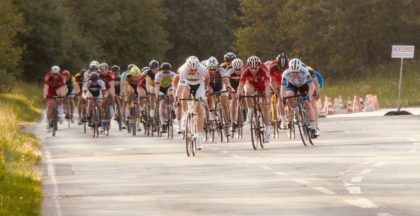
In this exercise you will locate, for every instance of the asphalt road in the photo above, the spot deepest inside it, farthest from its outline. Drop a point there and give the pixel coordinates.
(358, 166)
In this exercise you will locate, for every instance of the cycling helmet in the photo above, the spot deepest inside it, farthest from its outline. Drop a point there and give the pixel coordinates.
(154, 64)
(115, 68)
(282, 60)
(237, 63)
(145, 69)
(135, 71)
(193, 62)
(93, 67)
(253, 62)
(268, 63)
(205, 63)
(130, 66)
(103, 66)
(55, 69)
(94, 76)
(65, 73)
(229, 57)
(94, 64)
(212, 63)
(166, 66)
(295, 64)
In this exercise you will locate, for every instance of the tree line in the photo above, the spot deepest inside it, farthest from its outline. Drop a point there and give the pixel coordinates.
(341, 38)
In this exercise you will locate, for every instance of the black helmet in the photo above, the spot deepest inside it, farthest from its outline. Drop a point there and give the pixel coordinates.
(166, 66)
(94, 76)
(154, 64)
(115, 68)
(282, 60)
(229, 57)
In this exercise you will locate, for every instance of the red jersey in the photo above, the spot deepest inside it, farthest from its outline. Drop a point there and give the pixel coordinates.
(258, 80)
(107, 79)
(54, 83)
(276, 72)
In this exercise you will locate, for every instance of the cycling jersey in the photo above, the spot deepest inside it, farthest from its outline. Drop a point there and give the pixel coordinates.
(54, 83)
(95, 88)
(296, 79)
(79, 79)
(216, 79)
(150, 77)
(117, 84)
(107, 79)
(276, 72)
(226, 65)
(164, 79)
(71, 84)
(258, 80)
(187, 78)
(234, 77)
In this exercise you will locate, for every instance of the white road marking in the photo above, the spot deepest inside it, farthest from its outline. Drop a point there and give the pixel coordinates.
(265, 167)
(324, 190)
(357, 179)
(51, 174)
(362, 203)
(378, 164)
(281, 173)
(384, 214)
(235, 156)
(365, 171)
(354, 190)
(300, 181)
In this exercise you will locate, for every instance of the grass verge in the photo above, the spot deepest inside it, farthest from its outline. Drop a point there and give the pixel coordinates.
(20, 184)
(383, 82)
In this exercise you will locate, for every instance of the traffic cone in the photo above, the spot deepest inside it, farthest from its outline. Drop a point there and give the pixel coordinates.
(375, 102)
(330, 109)
(349, 105)
(369, 104)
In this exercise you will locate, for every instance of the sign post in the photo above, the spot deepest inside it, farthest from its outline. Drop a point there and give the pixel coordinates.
(402, 52)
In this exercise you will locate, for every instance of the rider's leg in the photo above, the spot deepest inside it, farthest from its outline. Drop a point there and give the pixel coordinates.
(233, 107)
(224, 100)
(249, 91)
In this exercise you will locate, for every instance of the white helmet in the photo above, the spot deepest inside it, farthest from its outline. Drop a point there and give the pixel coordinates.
(295, 64)
(212, 63)
(237, 63)
(193, 62)
(55, 69)
(94, 64)
(104, 66)
(253, 61)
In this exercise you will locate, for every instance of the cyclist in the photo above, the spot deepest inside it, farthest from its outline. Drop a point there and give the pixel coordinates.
(79, 79)
(254, 79)
(54, 85)
(177, 89)
(150, 83)
(71, 87)
(195, 78)
(93, 67)
(163, 86)
(133, 86)
(233, 76)
(94, 88)
(115, 69)
(277, 67)
(217, 84)
(228, 57)
(297, 79)
(316, 96)
(108, 78)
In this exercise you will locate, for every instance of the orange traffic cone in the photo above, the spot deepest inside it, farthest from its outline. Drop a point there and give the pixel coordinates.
(356, 104)
(349, 105)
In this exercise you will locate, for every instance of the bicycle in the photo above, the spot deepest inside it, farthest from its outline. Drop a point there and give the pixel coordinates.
(191, 127)
(221, 124)
(257, 124)
(299, 117)
(238, 128)
(146, 120)
(96, 119)
(132, 120)
(118, 112)
(274, 115)
(108, 116)
(83, 117)
(69, 114)
(54, 120)
(167, 114)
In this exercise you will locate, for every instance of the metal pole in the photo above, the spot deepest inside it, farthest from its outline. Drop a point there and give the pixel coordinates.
(399, 85)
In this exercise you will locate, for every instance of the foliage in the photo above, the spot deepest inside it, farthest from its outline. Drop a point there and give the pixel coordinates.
(20, 184)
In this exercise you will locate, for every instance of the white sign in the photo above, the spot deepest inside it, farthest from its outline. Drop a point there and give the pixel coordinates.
(402, 51)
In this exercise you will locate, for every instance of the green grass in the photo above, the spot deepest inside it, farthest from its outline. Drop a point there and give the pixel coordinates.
(20, 184)
(383, 82)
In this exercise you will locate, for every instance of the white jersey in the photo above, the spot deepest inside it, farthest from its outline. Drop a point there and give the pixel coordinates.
(296, 79)
(187, 78)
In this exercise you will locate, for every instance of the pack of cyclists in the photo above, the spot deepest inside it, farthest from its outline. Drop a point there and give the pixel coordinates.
(150, 89)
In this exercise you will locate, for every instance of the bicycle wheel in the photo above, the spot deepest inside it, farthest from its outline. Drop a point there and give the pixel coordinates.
(291, 131)
(240, 122)
(307, 128)
(68, 111)
(55, 120)
(188, 140)
(133, 120)
(84, 117)
(302, 131)
(95, 122)
(260, 124)
(254, 133)
(169, 123)
(118, 112)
